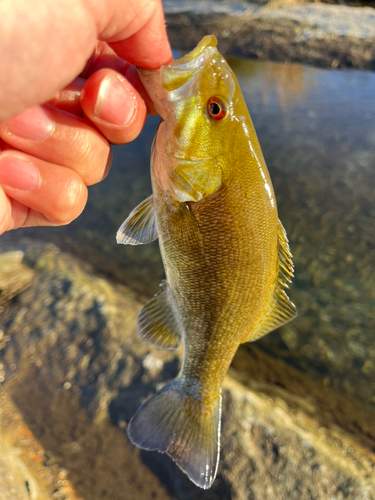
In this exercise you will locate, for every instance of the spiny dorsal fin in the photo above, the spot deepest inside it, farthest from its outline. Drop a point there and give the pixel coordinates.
(140, 226)
(281, 309)
(157, 324)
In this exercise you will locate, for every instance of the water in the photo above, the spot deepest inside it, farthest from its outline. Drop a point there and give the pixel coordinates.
(317, 131)
(318, 136)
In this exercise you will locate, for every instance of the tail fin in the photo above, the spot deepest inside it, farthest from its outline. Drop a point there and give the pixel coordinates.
(176, 423)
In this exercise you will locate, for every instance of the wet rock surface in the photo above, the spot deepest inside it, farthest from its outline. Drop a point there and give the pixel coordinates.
(76, 371)
(316, 34)
(26, 471)
(14, 276)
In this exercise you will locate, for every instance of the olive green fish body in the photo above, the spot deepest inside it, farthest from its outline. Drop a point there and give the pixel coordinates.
(220, 259)
(225, 253)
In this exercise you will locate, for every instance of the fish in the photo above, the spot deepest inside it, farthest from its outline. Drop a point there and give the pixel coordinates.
(225, 253)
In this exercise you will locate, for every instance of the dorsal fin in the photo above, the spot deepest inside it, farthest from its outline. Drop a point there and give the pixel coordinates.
(140, 226)
(157, 323)
(281, 309)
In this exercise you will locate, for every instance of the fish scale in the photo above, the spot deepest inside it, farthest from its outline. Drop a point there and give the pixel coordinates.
(225, 253)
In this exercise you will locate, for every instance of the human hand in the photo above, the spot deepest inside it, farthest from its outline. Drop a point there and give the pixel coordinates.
(50, 153)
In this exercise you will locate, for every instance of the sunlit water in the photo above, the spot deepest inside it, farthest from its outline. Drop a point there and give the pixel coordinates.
(317, 131)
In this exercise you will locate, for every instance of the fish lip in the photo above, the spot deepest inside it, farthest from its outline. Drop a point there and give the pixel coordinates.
(206, 46)
(180, 72)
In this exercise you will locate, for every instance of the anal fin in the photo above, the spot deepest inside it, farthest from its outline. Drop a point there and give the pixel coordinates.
(157, 323)
(140, 226)
(281, 309)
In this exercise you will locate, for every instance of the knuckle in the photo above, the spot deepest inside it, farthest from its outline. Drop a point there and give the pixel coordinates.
(90, 155)
(70, 204)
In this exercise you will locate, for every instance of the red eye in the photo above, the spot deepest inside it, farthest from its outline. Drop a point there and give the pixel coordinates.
(216, 108)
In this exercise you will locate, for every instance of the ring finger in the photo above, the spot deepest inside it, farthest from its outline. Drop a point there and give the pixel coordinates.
(54, 191)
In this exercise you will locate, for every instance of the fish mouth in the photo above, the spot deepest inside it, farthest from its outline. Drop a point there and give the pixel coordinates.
(168, 84)
(189, 60)
(179, 72)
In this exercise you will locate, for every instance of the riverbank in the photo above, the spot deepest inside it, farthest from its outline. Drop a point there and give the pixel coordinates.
(333, 36)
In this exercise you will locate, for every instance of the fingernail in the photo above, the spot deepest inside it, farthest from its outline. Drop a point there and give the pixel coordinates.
(34, 124)
(18, 173)
(116, 101)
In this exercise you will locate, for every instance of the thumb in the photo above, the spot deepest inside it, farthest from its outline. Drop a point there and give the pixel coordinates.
(45, 45)
(140, 37)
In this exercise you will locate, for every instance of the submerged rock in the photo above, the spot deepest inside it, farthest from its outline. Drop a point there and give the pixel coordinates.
(24, 470)
(14, 275)
(77, 371)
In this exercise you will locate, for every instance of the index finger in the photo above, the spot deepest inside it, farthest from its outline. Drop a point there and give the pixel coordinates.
(103, 57)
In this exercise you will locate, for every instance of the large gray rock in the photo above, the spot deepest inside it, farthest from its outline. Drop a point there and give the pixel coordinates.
(77, 371)
(318, 34)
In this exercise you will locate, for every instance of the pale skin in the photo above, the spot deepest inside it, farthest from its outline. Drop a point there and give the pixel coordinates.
(68, 89)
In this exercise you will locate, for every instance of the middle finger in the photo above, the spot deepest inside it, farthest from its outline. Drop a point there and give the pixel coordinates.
(58, 137)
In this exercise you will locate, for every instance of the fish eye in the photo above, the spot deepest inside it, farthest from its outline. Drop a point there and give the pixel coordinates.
(216, 108)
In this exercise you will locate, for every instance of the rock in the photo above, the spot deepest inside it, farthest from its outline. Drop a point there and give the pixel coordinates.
(14, 275)
(274, 451)
(77, 371)
(317, 34)
(25, 472)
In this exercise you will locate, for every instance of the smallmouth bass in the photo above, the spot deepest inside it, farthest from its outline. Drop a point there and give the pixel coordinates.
(225, 253)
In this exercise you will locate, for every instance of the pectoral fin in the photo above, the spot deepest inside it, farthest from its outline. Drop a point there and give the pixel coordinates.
(281, 310)
(140, 226)
(157, 324)
(195, 180)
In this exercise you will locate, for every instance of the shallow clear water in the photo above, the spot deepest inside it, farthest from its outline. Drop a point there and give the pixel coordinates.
(317, 131)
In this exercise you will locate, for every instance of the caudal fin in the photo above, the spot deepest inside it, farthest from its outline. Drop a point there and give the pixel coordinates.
(176, 423)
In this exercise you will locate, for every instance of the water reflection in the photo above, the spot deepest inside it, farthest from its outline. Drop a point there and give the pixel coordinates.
(291, 83)
(319, 145)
